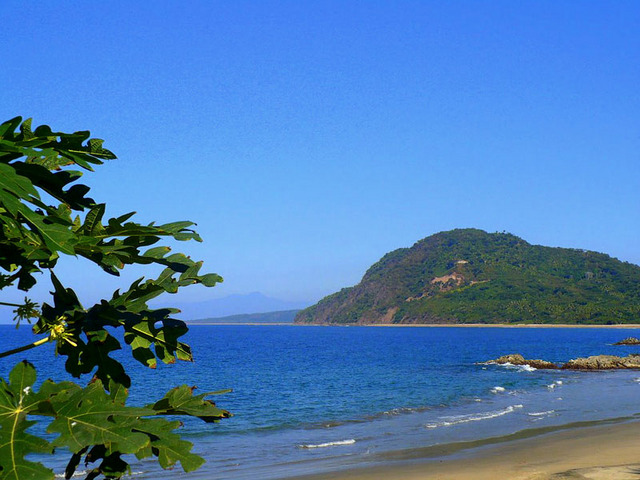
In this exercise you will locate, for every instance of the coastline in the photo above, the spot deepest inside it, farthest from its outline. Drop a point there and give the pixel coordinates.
(427, 325)
(603, 452)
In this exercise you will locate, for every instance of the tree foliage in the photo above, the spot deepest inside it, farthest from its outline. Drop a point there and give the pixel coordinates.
(45, 213)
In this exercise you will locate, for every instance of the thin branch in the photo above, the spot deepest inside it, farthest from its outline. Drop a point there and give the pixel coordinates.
(10, 304)
(42, 341)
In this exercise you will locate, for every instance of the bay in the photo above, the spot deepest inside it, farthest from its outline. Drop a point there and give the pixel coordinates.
(314, 399)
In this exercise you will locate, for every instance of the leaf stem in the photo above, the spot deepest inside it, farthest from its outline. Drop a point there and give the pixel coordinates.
(10, 304)
(35, 344)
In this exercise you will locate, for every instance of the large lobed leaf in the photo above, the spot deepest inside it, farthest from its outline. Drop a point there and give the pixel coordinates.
(93, 424)
(17, 400)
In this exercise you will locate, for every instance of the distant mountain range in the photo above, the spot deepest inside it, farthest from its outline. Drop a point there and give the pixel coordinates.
(471, 276)
(236, 304)
(285, 316)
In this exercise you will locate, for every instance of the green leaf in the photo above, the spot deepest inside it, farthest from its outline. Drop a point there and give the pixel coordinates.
(92, 222)
(168, 446)
(14, 184)
(44, 213)
(9, 126)
(140, 337)
(210, 279)
(17, 399)
(171, 451)
(58, 238)
(181, 401)
(157, 252)
(91, 417)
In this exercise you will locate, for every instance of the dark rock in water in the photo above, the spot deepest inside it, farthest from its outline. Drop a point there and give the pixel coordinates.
(603, 362)
(595, 362)
(629, 341)
(517, 359)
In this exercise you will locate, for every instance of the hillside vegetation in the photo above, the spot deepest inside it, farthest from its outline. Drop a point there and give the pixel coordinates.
(471, 276)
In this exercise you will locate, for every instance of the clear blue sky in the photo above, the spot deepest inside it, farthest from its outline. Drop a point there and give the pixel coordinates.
(307, 139)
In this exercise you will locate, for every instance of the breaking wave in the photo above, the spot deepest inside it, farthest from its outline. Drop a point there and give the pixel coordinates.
(476, 417)
(541, 414)
(521, 368)
(82, 473)
(351, 441)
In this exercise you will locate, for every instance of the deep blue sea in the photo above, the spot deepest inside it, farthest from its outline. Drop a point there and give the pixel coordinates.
(315, 399)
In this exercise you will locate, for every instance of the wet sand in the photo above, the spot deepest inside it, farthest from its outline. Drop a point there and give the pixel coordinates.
(610, 452)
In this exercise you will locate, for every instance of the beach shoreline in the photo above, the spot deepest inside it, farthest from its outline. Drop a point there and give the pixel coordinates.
(603, 452)
(192, 323)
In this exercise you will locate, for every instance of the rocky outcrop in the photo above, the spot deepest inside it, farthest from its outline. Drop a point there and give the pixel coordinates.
(603, 362)
(629, 341)
(595, 362)
(517, 359)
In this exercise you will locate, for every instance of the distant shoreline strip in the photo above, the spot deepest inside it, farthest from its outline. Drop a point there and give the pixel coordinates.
(428, 325)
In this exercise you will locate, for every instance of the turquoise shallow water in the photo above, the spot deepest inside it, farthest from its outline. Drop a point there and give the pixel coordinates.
(309, 399)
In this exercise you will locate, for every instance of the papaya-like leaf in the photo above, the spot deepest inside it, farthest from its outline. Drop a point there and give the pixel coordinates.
(167, 446)
(91, 417)
(92, 222)
(17, 399)
(7, 128)
(182, 401)
(14, 184)
(210, 279)
(36, 168)
(157, 252)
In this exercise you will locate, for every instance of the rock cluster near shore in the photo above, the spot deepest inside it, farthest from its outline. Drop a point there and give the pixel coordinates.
(629, 341)
(603, 362)
(595, 362)
(517, 359)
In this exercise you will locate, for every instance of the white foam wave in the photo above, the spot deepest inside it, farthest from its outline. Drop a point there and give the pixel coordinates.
(77, 473)
(458, 419)
(351, 441)
(527, 368)
(541, 414)
(520, 368)
(498, 389)
(555, 384)
(399, 411)
(82, 473)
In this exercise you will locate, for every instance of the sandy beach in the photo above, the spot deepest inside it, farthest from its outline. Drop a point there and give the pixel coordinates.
(610, 452)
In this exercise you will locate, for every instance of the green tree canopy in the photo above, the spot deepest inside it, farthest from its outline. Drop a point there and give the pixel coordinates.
(45, 213)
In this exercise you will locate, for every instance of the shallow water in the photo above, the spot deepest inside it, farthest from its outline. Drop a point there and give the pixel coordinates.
(309, 399)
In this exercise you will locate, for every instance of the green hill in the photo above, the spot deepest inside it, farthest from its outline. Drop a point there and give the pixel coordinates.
(471, 276)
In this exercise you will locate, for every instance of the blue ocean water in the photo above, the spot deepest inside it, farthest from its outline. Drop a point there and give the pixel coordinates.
(314, 399)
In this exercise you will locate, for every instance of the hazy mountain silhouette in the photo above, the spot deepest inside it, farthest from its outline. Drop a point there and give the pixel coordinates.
(236, 304)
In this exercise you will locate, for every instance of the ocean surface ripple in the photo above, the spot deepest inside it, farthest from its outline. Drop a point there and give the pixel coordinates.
(312, 399)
